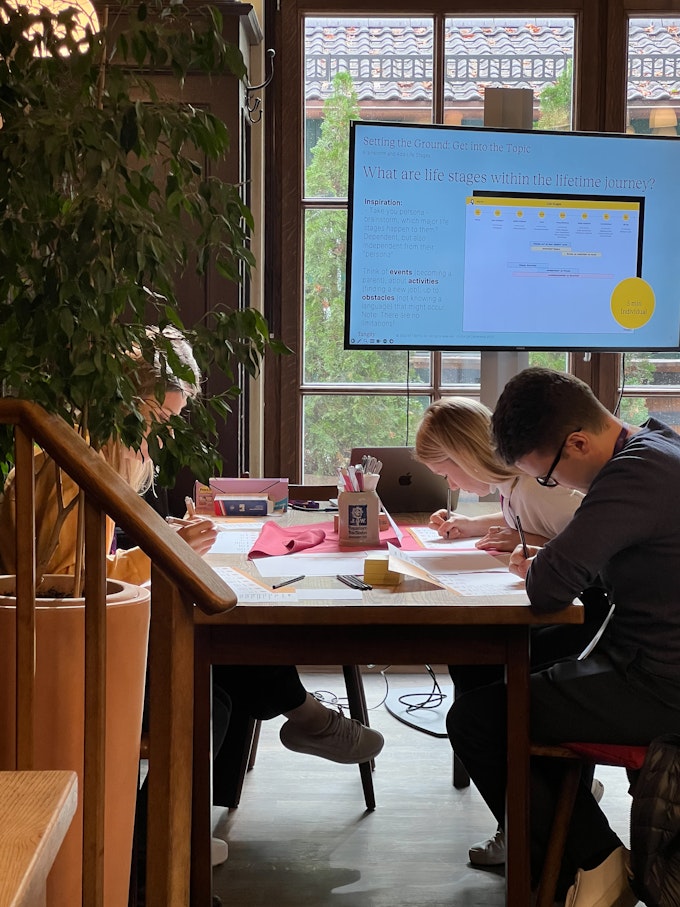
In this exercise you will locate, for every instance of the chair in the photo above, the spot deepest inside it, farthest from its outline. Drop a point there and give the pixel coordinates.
(574, 755)
(243, 756)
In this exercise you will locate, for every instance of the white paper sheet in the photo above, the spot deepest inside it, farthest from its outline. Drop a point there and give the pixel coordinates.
(234, 541)
(329, 564)
(486, 583)
(248, 589)
(430, 538)
(451, 561)
(344, 593)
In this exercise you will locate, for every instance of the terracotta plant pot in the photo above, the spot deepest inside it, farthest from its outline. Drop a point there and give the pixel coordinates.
(59, 719)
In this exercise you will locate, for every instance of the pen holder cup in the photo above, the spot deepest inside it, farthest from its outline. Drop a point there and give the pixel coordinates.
(358, 520)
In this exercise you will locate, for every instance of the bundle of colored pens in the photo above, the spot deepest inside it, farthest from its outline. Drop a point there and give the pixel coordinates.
(359, 478)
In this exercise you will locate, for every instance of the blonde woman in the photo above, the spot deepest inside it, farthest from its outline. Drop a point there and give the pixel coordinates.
(56, 495)
(454, 440)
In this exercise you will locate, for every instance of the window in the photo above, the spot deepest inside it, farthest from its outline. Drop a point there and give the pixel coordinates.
(338, 64)
(651, 381)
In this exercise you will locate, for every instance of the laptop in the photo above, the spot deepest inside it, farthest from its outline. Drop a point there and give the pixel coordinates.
(406, 485)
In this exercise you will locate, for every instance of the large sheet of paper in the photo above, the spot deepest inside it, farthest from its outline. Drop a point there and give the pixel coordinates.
(249, 589)
(328, 564)
(430, 538)
(235, 540)
(460, 573)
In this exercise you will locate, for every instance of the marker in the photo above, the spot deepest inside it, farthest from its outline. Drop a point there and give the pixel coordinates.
(525, 551)
(287, 582)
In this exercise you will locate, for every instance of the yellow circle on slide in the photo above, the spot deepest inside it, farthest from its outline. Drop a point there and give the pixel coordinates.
(632, 302)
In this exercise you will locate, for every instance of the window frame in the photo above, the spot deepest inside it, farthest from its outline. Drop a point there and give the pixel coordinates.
(598, 35)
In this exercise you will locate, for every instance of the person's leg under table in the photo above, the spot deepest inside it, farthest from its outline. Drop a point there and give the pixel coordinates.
(517, 871)
(590, 700)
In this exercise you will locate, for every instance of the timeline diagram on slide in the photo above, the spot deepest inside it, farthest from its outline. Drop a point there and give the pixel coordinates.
(557, 264)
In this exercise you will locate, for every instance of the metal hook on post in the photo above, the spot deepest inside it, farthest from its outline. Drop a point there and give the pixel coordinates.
(254, 104)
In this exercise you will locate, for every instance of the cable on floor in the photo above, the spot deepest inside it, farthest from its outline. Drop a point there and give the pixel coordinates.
(415, 702)
(329, 698)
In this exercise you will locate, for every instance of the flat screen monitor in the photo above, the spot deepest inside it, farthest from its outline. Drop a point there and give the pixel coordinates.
(478, 238)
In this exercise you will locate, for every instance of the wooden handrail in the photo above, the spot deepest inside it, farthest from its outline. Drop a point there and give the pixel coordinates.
(181, 579)
(116, 498)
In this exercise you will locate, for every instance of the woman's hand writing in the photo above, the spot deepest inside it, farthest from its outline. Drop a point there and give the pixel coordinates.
(199, 533)
(499, 538)
(455, 527)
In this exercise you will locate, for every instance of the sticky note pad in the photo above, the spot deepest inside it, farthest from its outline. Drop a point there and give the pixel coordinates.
(377, 573)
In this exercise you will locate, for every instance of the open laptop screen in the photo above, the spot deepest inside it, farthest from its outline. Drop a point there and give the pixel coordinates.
(406, 485)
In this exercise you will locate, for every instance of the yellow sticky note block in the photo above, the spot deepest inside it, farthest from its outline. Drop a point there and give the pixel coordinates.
(376, 572)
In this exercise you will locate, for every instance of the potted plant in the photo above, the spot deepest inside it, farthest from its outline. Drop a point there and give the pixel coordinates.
(103, 205)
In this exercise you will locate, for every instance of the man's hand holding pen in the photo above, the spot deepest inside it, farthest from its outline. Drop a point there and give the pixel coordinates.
(519, 564)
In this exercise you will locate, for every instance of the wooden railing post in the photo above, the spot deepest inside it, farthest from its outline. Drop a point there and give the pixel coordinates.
(25, 599)
(95, 705)
(171, 653)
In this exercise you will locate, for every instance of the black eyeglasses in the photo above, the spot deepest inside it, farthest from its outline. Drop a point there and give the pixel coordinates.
(547, 480)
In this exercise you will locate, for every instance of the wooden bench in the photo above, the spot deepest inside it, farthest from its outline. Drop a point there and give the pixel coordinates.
(36, 809)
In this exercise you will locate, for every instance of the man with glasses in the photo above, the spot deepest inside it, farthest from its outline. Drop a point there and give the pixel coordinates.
(626, 690)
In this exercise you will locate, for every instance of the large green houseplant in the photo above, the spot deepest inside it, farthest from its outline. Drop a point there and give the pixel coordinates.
(105, 199)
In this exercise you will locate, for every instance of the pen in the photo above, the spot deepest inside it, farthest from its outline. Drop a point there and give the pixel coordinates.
(521, 537)
(175, 521)
(189, 504)
(353, 581)
(448, 508)
(287, 582)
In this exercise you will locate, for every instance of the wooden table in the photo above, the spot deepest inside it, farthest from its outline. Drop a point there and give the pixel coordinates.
(414, 623)
(36, 809)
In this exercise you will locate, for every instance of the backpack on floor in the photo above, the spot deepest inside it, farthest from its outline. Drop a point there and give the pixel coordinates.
(655, 825)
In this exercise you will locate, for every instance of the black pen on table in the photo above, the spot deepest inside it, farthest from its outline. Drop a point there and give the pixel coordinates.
(525, 550)
(287, 582)
(353, 581)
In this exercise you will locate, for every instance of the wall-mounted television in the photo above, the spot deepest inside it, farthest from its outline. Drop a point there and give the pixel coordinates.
(478, 238)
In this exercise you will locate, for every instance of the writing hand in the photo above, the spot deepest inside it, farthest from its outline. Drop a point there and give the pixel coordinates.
(499, 538)
(200, 533)
(458, 526)
(519, 565)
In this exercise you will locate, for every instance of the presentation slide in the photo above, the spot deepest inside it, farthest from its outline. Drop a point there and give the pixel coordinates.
(498, 239)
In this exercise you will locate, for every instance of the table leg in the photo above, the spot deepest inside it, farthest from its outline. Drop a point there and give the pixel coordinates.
(358, 709)
(517, 869)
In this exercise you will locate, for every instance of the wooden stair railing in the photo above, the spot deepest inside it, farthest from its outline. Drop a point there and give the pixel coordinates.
(180, 580)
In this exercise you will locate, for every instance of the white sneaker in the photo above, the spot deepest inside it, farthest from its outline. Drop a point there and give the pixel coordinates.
(597, 790)
(219, 851)
(490, 852)
(344, 740)
(605, 886)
